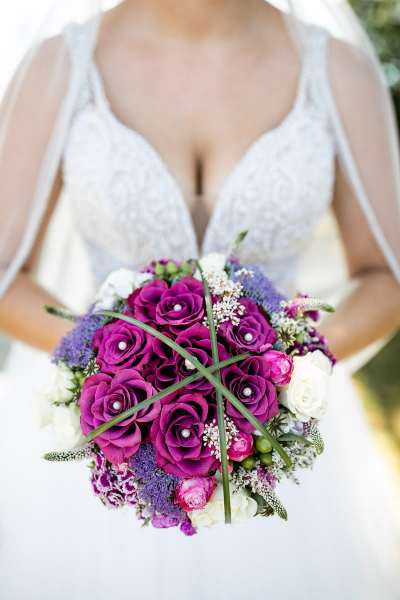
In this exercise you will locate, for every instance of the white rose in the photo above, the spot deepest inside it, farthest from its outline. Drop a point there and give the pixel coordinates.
(243, 507)
(66, 426)
(119, 285)
(306, 396)
(64, 420)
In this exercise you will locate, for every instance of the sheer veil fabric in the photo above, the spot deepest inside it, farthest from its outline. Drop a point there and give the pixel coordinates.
(46, 84)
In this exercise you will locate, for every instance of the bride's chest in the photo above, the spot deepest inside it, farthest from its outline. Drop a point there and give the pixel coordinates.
(126, 201)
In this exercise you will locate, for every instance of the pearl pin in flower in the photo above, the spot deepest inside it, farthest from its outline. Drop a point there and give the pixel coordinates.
(122, 345)
(190, 366)
(116, 405)
(247, 392)
(248, 337)
(177, 307)
(185, 433)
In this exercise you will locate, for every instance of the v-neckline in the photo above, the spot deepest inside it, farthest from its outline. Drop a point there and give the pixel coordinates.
(232, 173)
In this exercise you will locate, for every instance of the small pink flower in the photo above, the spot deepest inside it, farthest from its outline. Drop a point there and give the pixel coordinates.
(194, 493)
(279, 367)
(241, 447)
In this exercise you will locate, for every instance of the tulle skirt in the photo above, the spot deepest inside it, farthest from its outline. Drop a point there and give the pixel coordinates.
(58, 542)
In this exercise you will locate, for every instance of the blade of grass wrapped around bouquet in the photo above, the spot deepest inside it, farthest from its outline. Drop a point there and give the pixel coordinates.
(205, 372)
(159, 396)
(220, 404)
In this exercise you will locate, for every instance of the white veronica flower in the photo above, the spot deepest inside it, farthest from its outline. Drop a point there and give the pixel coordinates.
(243, 507)
(306, 396)
(119, 285)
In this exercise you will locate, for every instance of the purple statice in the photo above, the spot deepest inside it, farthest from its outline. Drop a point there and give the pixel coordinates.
(256, 286)
(266, 476)
(187, 527)
(318, 342)
(156, 488)
(75, 348)
(114, 485)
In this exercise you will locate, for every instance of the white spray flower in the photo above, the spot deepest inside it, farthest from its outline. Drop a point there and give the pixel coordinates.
(118, 286)
(243, 507)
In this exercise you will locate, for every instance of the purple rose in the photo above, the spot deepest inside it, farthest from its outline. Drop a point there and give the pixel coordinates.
(177, 437)
(104, 397)
(194, 493)
(196, 340)
(143, 302)
(279, 367)
(181, 305)
(256, 393)
(120, 345)
(241, 447)
(253, 333)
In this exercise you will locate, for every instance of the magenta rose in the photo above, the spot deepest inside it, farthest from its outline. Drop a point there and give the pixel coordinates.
(104, 397)
(252, 334)
(196, 340)
(194, 493)
(143, 302)
(256, 393)
(279, 367)
(177, 437)
(120, 345)
(241, 447)
(181, 305)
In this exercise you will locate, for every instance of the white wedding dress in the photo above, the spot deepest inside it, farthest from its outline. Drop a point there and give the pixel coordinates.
(56, 539)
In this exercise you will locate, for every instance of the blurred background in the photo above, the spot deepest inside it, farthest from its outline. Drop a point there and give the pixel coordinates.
(379, 379)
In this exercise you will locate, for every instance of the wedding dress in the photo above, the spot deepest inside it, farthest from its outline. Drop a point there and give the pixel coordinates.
(56, 539)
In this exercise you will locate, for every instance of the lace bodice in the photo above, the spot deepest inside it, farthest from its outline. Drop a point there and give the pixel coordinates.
(130, 210)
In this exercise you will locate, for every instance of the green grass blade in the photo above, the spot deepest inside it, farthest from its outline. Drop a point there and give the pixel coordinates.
(149, 401)
(205, 372)
(220, 403)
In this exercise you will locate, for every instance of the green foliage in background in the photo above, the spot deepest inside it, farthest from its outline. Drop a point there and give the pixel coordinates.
(381, 19)
(380, 379)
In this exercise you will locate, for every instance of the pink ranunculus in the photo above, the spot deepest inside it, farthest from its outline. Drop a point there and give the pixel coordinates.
(177, 436)
(279, 367)
(120, 345)
(194, 493)
(181, 305)
(105, 396)
(241, 447)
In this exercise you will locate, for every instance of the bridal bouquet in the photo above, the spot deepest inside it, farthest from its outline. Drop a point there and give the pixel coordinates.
(192, 389)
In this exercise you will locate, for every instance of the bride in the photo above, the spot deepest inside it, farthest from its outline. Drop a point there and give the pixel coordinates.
(171, 126)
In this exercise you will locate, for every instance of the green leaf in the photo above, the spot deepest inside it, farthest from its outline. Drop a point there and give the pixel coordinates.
(220, 404)
(206, 373)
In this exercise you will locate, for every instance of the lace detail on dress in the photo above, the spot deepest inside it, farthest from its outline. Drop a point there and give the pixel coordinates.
(130, 209)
